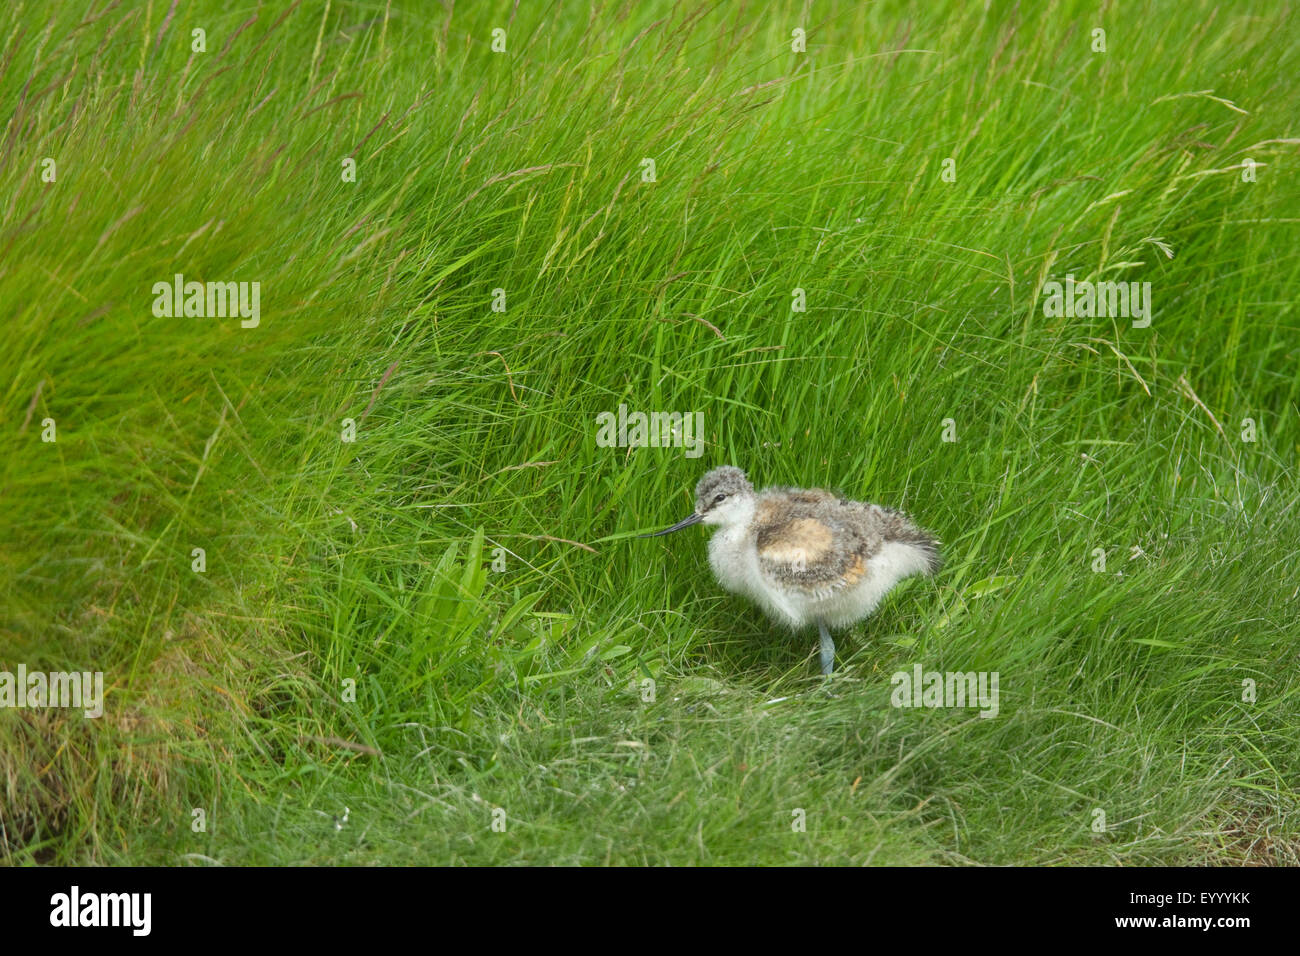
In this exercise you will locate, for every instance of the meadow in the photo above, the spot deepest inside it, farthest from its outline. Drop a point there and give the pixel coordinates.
(364, 585)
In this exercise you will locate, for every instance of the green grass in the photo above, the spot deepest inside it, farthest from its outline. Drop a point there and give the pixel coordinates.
(350, 643)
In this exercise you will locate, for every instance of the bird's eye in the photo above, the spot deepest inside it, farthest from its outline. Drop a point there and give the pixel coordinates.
(719, 498)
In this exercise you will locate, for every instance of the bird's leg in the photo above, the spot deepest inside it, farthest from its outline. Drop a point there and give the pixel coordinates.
(828, 649)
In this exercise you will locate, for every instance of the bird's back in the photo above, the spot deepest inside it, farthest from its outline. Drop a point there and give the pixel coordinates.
(831, 557)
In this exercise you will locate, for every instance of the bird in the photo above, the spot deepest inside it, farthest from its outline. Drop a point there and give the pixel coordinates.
(806, 555)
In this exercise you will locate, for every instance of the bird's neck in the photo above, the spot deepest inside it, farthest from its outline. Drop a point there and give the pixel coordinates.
(736, 517)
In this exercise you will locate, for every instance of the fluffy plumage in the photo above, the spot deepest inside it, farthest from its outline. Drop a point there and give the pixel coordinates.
(807, 556)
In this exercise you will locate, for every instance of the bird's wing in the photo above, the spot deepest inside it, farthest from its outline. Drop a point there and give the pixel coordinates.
(803, 545)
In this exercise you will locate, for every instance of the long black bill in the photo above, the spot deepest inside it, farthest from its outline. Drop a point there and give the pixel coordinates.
(684, 523)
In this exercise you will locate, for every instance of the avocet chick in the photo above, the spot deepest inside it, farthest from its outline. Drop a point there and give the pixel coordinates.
(806, 556)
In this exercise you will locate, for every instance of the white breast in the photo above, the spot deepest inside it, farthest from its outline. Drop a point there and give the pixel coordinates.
(734, 559)
(734, 564)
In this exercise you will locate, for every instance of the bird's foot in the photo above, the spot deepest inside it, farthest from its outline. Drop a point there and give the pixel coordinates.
(827, 650)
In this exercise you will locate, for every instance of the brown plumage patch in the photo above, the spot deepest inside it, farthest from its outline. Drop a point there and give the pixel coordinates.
(800, 540)
(765, 514)
(812, 541)
(854, 572)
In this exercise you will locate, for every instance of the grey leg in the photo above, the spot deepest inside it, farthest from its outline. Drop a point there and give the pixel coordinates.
(828, 649)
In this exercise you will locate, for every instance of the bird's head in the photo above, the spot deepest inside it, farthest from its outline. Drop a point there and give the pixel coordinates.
(724, 496)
